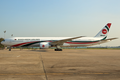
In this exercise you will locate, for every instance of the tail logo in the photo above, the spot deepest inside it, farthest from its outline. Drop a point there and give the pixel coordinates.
(104, 31)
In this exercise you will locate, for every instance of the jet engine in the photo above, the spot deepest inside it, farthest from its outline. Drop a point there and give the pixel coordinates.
(44, 45)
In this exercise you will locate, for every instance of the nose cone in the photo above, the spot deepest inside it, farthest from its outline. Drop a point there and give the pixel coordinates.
(3, 42)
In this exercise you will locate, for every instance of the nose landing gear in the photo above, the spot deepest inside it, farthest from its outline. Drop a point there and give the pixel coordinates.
(9, 48)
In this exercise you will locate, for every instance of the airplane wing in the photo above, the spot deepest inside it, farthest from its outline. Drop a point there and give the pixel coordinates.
(60, 42)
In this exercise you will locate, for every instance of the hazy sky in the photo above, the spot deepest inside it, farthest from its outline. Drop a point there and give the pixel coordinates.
(62, 18)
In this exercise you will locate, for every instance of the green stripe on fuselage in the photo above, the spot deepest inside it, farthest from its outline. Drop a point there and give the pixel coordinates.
(30, 44)
(104, 38)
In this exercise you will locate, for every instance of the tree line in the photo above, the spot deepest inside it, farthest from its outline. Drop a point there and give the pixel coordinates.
(1, 46)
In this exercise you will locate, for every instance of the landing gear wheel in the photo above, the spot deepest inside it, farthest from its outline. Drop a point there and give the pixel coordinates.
(10, 49)
(58, 49)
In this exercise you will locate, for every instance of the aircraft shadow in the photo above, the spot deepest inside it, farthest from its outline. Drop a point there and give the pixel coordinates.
(41, 50)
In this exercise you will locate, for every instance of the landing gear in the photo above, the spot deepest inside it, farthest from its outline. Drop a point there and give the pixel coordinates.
(58, 49)
(9, 48)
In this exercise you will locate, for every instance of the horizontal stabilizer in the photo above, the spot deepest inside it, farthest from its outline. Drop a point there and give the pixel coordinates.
(109, 39)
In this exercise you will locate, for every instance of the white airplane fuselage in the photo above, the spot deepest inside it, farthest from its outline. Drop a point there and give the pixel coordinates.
(84, 41)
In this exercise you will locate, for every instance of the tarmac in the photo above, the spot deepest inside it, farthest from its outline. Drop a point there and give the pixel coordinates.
(69, 64)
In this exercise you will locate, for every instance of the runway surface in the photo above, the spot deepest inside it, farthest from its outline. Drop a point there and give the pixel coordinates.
(69, 64)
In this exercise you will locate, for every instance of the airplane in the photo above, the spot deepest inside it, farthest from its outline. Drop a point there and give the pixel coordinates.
(58, 42)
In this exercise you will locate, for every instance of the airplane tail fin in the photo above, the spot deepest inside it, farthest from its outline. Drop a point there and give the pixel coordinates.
(104, 31)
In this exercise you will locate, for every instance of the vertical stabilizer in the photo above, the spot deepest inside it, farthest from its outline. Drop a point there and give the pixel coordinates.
(104, 31)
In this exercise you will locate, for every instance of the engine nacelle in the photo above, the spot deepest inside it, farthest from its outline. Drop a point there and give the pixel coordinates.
(44, 45)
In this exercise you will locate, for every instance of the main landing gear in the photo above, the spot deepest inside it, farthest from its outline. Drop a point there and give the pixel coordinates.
(58, 48)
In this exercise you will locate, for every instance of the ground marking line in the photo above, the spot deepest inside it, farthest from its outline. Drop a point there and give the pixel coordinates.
(43, 66)
(54, 73)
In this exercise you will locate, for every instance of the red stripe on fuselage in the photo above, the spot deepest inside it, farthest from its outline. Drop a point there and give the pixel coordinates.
(23, 43)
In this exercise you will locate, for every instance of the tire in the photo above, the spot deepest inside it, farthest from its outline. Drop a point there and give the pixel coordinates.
(9, 49)
(58, 49)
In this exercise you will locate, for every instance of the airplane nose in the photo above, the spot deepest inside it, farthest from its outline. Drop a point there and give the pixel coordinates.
(2, 42)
